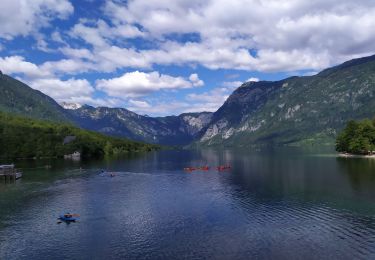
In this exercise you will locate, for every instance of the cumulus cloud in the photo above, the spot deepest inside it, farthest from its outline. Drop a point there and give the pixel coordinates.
(67, 66)
(251, 35)
(296, 34)
(208, 101)
(18, 65)
(133, 84)
(19, 17)
(195, 80)
(99, 33)
(80, 53)
(64, 90)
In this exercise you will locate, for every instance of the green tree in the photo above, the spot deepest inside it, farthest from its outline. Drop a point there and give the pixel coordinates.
(357, 137)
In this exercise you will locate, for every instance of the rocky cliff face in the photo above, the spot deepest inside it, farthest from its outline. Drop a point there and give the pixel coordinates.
(297, 109)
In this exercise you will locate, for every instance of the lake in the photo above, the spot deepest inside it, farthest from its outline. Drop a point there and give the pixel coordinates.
(271, 204)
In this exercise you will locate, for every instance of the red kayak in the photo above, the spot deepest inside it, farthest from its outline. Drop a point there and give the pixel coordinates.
(223, 167)
(190, 169)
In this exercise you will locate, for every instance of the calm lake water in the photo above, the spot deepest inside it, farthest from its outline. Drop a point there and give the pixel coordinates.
(283, 204)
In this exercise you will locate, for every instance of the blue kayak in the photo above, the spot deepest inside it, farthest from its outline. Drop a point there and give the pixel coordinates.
(68, 219)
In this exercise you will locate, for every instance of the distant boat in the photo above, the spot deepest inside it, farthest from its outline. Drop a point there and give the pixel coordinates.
(8, 170)
(68, 217)
(223, 167)
(76, 156)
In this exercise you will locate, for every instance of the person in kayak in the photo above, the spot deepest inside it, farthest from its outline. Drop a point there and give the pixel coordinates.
(68, 215)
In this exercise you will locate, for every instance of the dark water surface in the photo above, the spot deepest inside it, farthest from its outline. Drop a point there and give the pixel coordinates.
(284, 204)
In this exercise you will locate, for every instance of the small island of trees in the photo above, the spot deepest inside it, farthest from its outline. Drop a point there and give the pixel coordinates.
(357, 138)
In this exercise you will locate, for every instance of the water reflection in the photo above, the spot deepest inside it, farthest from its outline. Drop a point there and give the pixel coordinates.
(271, 204)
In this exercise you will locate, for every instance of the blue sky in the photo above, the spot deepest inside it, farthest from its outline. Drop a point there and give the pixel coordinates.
(169, 57)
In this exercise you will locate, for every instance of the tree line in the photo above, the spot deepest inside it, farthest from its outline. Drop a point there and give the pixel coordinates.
(22, 137)
(358, 137)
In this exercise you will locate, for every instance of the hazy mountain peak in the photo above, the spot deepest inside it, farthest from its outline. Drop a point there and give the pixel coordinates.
(70, 106)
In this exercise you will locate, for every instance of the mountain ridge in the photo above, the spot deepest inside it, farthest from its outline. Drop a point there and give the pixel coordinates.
(169, 130)
(18, 98)
(294, 110)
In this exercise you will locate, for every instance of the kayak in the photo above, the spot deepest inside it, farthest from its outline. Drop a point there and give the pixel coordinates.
(190, 169)
(68, 219)
(223, 167)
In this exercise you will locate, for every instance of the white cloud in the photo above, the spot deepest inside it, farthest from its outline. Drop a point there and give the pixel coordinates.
(18, 65)
(195, 80)
(161, 108)
(232, 84)
(89, 34)
(252, 79)
(139, 104)
(96, 102)
(287, 36)
(56, 37)
(99, 34)
(49, 69)
(71, 90)
(216, 95)
(112, 57)
(43, 79)
(208, 101)
(267, 36)
(237, 83)
(196, 102)
(77, 53)
(296, 34)
(67, 66)
(20, 17)
(310, 73)
(138, 83)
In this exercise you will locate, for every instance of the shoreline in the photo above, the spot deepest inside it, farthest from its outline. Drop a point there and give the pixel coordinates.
(351, 155)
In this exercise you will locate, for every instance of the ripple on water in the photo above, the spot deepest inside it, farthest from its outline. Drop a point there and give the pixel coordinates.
(172, 215)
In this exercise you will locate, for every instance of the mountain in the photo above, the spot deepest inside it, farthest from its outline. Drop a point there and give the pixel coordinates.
(18, 98)
(22, 137)
(170, 130)
(72, 106)
(295, 110)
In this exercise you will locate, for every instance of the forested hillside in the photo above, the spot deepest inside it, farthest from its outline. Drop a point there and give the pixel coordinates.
(22, 137)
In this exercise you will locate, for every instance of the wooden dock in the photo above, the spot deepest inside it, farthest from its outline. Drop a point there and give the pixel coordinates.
(8, 172)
